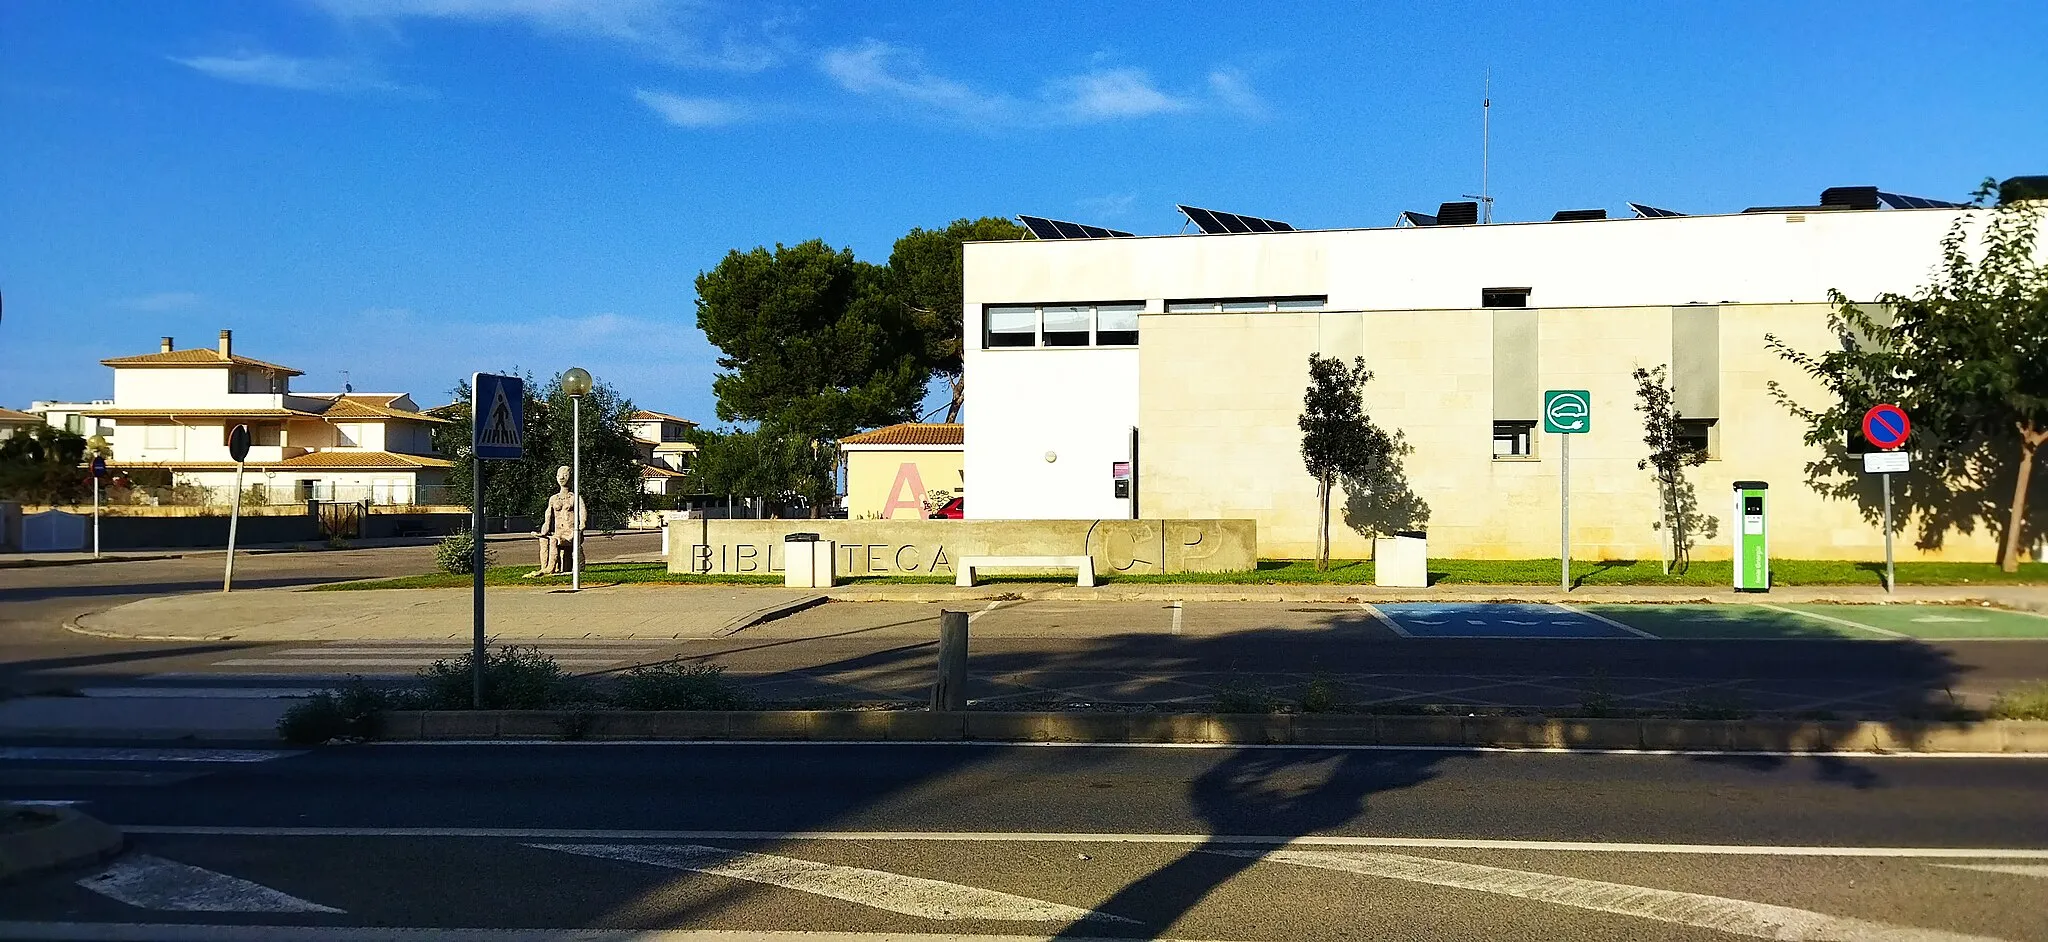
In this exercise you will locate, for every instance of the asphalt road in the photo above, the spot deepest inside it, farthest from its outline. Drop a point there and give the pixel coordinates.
(952, 841)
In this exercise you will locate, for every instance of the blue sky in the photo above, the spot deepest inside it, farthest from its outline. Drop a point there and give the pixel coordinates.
(410, 190)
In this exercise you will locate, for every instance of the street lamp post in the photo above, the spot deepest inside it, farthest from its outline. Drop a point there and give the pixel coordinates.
(576, 382)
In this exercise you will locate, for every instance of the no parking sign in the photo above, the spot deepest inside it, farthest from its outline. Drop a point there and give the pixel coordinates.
(1886, 426)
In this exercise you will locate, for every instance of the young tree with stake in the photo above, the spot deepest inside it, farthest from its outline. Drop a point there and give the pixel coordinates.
(1337, 438)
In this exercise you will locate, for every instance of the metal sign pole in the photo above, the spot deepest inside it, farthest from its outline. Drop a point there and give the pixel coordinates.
(95, 516)
(227, 582)
(476, 581)
(1889, 582)
(1564, 524)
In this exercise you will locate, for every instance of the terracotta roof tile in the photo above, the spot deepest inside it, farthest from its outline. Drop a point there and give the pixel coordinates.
(646, 416)
(9, 415)
(196, 356)
(910, 433)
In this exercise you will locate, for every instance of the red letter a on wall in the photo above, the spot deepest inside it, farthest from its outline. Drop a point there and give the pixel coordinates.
(907, 480)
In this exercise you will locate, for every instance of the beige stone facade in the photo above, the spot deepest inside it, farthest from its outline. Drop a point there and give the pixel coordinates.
(934, 547)
(1231, 449)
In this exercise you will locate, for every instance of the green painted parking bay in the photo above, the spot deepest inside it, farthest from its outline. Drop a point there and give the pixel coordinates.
(1817, 621)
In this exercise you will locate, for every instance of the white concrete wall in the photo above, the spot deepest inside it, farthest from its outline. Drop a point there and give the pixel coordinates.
(173, 388)
(1077, 403)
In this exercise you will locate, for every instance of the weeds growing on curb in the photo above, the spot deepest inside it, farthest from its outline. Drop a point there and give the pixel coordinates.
(347, 714)
(516, 677)
(2027, 703)
(1320, 696)
(678, 687)
(1598, 700)
(1243, 696)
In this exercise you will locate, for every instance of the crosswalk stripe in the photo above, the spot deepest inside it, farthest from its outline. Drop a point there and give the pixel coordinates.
(2017, 870)
(398, 649)
(201, 693)
(878, 889)
(1717, 913)
(155, 883)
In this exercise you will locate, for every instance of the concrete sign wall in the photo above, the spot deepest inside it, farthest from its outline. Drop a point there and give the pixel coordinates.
(933, 547)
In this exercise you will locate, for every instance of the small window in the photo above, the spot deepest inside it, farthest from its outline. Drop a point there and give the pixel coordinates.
(1190, 307)
(1012, 326)
(1299, 304)
(1504, 297)
(1247, 305)
(1514, 439)
(238, 381)
(1116, 325)
(1700, 435)
(1066, 325)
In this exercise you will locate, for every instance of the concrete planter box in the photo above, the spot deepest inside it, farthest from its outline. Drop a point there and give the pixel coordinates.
(1523, 732)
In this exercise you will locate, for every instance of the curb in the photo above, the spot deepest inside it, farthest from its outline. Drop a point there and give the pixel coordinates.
(41, 563)
(72, 838)
(74, 626)
(770, 613)
(1504, 732)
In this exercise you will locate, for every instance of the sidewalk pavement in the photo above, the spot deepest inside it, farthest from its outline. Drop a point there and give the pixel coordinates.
(25, 560)
(510, 614)
(672, 612)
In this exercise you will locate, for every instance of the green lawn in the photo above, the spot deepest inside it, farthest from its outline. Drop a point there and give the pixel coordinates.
(1628, 572)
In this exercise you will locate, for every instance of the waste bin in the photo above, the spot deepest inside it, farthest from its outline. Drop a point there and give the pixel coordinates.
(1401, 560)
(807, 561)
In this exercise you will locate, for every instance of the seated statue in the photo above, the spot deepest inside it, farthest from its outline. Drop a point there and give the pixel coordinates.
(559, 523)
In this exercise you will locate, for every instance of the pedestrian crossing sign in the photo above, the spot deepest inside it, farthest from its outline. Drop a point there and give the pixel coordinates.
(497, 409)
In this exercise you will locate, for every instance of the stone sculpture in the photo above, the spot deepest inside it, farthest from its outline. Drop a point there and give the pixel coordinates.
(558, 525)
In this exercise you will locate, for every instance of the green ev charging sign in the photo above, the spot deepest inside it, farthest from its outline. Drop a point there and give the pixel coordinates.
(1567, 411)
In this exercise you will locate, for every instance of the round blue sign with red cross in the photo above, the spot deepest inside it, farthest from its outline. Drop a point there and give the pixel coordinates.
(1886, 426)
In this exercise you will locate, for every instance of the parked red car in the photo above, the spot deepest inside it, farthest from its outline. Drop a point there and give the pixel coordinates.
(955, 509)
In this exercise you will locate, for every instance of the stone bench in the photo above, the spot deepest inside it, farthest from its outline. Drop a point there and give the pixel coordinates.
(1083, 565)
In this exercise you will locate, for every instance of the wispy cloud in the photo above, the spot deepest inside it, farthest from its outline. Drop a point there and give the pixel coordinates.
(1108, 207)
(1112, 94)
(1234, 92)
(677, 31)
(691, 111)
(292, 72)
(161, 301)
(898, 76)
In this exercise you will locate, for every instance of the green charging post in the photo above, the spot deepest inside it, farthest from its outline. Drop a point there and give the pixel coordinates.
(1752, 537)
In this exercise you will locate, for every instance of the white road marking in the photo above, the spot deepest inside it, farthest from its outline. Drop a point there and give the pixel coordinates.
(1177, 606)
(1832, 620)
(1525, 624)
(2017, 870)
(992, 606)
(1017, 744)
(44, 802)
(1392, 625)
(1944, 619)
(117, 754)
(445, 651)
(1475, 621)
(878, 889)
(1609, 622)
(186, 932)
(155, 883)
(1698, 910)
(1078, 837)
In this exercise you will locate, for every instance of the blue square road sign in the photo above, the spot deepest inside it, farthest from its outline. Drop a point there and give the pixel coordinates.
(497, 411)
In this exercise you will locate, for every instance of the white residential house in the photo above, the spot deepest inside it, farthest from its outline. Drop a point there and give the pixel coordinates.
(176, 409)
(74, 417)
(12, 422)
(664, 455)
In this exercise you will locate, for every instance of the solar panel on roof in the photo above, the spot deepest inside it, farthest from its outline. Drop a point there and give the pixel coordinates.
(1414, 218)
(1044, 228)
(1901, 201)
(1217, 222)
(1652, 212)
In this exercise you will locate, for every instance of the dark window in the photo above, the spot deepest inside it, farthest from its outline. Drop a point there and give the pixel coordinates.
(1116, 325)
(1067, 325)
(1697, 435)
(1012, 326)
(1514, 439)
(1504, 297)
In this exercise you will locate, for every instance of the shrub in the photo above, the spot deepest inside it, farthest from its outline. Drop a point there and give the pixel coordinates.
(347, 714)
(1320, 696)
(457, 551)
(1244, 697)
(2027, 703)
(516, 677)
(679, 687)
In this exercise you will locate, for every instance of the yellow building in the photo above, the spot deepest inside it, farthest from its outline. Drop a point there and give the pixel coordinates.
(892, 471)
